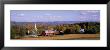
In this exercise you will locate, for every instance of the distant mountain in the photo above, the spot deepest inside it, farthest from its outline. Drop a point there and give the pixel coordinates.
(47, 23)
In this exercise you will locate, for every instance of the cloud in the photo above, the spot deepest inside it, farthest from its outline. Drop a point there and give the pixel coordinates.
(47, 14)
(93, 11)
(94, 15)
(21, 14)
(83, 13)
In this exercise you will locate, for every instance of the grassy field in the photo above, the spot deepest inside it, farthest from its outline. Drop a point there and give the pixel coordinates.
(64, 37)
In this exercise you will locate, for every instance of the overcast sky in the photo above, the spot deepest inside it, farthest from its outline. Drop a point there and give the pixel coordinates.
(54, 15)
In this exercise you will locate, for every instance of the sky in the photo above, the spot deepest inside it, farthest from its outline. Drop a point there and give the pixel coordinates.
(54, 15)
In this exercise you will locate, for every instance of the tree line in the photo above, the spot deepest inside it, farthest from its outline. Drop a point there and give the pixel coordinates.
(89, 28)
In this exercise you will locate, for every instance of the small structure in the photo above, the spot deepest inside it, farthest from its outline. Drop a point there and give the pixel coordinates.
(50, 32)
(81, 30)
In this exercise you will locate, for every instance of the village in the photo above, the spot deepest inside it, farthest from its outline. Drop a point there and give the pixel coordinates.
(70, 32)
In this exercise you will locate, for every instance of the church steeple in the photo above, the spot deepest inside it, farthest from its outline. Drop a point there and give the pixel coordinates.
(35, 27)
